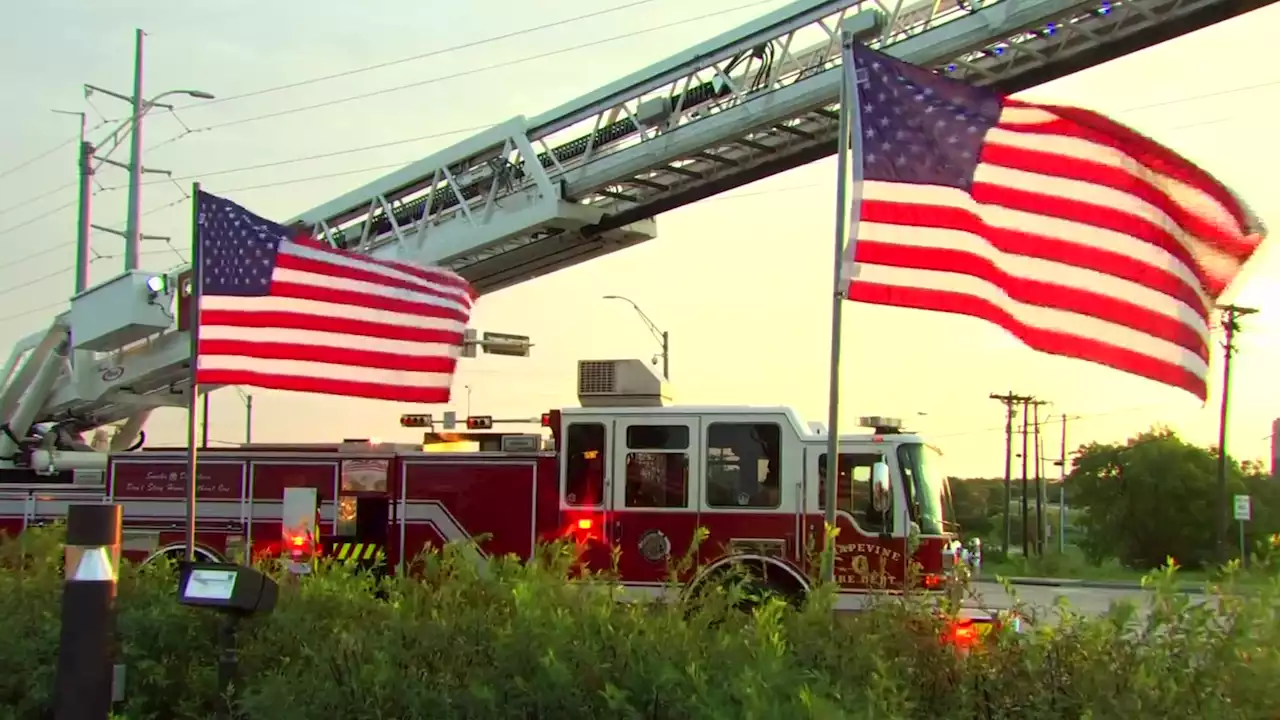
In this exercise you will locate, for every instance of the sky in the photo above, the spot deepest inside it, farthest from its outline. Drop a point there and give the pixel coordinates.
(740, 281)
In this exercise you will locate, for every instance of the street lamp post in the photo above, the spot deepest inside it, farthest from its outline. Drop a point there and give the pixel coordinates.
(663, 338)
(132, 234)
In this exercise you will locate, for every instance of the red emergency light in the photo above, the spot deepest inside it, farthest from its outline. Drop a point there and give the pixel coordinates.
(480, 422)
(415, 421)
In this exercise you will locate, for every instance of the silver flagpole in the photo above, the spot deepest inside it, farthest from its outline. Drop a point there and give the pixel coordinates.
(193, 404)
(850, 125)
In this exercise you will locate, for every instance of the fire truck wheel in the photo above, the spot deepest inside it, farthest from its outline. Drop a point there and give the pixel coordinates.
(177, 553)
(759, 579)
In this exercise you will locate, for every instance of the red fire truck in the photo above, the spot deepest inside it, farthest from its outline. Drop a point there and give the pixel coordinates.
(623, 470)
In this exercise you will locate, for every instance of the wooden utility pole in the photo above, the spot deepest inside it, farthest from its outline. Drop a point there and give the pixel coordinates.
(1039, 451)
(1062, 491)
(1231, 315)
(1008, 400)
(1026, 540)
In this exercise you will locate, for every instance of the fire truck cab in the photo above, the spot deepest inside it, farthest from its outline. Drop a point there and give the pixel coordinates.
(624, 471)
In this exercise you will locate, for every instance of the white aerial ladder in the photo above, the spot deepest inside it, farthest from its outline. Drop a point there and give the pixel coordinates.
(532, 196)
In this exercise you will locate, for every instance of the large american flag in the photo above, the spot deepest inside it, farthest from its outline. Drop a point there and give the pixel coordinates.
(1074, 233)
(279, 311)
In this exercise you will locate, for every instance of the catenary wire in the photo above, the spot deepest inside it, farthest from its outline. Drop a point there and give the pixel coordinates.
(188, 130)
(323, 78)
(420, 56)
(31, 161)
(485, 68)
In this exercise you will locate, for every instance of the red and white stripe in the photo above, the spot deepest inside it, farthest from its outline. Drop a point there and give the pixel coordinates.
(1080, 237)
(339, 324)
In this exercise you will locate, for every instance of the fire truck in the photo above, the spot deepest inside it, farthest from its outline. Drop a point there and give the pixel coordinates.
(625, 470)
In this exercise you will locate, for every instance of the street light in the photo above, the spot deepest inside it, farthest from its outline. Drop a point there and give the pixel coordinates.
(664, 340)
(132, 234)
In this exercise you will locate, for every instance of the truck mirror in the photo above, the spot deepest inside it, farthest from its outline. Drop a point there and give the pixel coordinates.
(880, 488)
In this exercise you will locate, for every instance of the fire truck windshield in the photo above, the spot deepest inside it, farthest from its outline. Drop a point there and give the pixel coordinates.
(927, 490)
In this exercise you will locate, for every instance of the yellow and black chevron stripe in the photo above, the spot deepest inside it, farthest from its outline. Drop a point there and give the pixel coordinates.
(357, 552)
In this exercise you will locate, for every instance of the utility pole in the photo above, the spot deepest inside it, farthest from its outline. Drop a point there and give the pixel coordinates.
(1008, 400)
(248, 419)
(1062, 491)
(1039, 451)
(85, 170)
(133, 237)
(132, 232)
(1231, 315)
(1026, 547)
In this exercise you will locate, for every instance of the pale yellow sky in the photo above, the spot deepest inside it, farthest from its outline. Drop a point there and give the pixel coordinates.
(740, 281)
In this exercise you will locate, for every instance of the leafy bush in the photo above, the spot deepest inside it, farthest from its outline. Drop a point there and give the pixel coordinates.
(519, 642)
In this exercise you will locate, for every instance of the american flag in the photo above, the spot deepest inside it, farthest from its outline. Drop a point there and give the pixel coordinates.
(1074, 233)
(279, 311)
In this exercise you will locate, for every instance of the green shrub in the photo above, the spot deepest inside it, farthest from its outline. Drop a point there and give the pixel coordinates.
(519, 642)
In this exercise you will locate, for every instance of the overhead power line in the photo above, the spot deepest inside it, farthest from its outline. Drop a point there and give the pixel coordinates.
(485, 68)
(421, 56)
(465, 73)
(41, 156)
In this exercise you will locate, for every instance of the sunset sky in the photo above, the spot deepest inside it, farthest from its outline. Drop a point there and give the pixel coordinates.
(741, 281)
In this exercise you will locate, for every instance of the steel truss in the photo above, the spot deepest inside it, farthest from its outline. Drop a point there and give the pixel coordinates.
(702, 122)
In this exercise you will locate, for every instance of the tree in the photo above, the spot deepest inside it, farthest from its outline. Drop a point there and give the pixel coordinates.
(976, 503)
(1153, 498)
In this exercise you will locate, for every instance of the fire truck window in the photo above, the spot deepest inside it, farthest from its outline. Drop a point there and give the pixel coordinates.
(584, 464)
(657, 480)
(346, 525)
(853, 494)
(658, 437)
(743, 465)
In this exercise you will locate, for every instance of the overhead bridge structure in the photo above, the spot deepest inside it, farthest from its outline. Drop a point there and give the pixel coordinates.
(530, 196)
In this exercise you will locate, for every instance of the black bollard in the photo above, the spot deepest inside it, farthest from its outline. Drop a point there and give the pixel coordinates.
(87, 647)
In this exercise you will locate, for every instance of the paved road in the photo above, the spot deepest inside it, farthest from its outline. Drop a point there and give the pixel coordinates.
(1090, 600)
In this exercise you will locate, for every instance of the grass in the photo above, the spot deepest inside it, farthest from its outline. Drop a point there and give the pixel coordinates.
(1072, 565)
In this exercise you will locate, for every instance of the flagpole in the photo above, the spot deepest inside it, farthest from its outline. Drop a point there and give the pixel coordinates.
(849, 124)
(193, 330)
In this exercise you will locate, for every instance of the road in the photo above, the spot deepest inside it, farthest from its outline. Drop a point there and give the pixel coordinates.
(1088, 600)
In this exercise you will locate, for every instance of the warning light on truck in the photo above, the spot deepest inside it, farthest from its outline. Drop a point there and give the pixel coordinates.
(480, 422)
(415, 421)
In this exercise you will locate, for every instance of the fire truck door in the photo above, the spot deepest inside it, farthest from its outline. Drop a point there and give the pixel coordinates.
(656, 473)
(361, 532)
(586, 505)
(871, 546)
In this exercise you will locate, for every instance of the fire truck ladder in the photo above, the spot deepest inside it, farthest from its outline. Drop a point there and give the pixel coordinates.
(529, 197)
(532, 196)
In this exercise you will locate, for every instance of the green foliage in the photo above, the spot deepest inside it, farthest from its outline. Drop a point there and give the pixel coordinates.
(517, 641)
(1154, 497)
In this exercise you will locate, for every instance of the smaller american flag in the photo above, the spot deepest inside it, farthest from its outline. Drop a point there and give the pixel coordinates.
(278, 311)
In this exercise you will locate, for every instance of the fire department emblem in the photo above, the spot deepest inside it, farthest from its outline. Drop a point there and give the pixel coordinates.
(654, 546)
